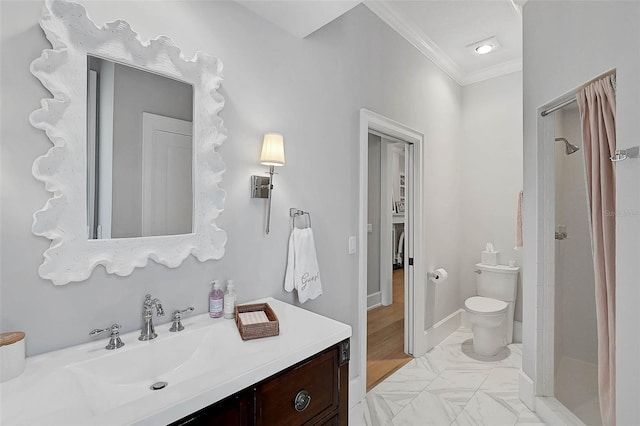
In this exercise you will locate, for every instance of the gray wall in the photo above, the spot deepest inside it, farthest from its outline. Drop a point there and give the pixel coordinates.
(136, 92)
(566, 44)
(311, 90)
(492, 174)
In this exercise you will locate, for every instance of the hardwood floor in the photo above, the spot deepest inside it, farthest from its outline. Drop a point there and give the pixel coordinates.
(385, 336)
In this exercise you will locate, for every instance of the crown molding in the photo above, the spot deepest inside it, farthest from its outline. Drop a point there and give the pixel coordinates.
(433, 52)
(497, 70)
(417, 38)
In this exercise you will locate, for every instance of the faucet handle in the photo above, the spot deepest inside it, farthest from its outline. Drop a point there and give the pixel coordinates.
(177, 316)
(114, 342)
(114, 329)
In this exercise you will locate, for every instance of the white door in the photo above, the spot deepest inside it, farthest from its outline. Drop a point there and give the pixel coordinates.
(386, 222)
(167, 177)
(414, 304)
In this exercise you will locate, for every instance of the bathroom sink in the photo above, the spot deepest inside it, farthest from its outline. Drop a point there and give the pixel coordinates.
(144, 361)
(128, 374)
(148, 369)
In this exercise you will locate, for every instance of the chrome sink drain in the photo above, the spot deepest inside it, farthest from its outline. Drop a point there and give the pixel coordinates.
(158, 385)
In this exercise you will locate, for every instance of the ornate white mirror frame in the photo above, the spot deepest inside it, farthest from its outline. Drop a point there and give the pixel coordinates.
(63, 169)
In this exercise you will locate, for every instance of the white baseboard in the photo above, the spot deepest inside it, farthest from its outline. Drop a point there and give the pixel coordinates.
(527, 389)
(553, 413)
(443, 328)
(517, 331)
(374, 300)
(355, 392)
(545, 412)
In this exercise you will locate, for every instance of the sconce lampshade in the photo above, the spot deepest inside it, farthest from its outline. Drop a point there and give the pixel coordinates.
(272, 150)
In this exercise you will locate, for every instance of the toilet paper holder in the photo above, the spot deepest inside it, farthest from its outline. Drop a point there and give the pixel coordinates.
(438, 276)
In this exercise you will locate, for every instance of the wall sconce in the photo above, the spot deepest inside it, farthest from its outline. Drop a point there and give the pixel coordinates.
(272, 155)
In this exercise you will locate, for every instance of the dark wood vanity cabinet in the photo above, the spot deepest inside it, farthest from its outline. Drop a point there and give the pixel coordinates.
(312, 392)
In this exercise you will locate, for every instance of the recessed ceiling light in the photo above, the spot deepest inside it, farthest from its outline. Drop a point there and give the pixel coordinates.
(485, 46)
(484, 49)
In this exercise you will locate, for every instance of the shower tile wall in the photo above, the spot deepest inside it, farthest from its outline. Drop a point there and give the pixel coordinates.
(575, 310)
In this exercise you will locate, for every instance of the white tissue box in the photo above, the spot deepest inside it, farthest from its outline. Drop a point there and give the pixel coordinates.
(489, 257)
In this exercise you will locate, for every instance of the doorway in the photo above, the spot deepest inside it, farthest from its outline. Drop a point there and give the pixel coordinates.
(410, 280)
(387, 198)
(575, 329)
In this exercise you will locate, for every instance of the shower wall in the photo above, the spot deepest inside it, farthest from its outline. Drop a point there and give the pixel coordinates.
(575, 310)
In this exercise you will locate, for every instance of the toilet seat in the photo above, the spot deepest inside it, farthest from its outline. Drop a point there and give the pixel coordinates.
(485, 305)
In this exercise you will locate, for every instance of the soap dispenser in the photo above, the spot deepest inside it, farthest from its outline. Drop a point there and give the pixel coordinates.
(230, 301)
(216, 300)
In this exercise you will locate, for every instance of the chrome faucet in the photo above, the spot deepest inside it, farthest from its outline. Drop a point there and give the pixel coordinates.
(148, 332)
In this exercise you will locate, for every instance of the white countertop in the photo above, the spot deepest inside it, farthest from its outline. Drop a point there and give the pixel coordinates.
(63, 387)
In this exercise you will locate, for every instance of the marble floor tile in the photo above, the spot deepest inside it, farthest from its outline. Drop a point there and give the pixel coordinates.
(382, 408)
(460, 335)
(416, 375)
(515, 357)
(451, 356)
(395, 392)
(502, 379)
(482, 409)
(457, 386)
(451, 385)
(502, 385)
(427, 409)
(439, 359)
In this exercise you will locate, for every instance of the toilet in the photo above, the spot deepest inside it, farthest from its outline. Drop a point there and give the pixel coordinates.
(490, 313)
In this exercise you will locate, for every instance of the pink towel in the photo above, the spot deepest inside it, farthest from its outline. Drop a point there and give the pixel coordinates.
(519, 222)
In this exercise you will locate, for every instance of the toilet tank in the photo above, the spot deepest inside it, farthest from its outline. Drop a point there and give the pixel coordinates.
(497, 281)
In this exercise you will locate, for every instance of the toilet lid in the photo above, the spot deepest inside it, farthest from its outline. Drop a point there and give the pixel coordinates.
(485, 305)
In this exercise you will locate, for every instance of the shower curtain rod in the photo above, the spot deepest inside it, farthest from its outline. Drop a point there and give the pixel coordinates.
(557, 107)
(573, 99)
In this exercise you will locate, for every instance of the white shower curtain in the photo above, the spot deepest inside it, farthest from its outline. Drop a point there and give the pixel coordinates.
(598, 114)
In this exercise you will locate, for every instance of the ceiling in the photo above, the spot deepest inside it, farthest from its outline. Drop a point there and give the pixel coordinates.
(441, 30)
(300, 17)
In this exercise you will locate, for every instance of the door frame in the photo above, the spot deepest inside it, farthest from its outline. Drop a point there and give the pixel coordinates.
(545, 268)
(416, 343)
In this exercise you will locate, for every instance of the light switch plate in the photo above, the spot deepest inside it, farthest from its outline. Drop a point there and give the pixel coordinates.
(369, 227)
(352, 244)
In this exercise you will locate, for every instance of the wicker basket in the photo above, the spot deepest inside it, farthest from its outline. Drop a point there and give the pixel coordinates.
(263, 329)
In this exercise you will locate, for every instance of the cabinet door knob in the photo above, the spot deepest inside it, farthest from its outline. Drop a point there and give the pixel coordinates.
(302, 400)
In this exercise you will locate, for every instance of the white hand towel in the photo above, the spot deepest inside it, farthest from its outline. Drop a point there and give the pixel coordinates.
(303, 272)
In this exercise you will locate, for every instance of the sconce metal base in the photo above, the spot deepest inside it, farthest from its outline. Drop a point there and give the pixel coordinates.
(260, 186)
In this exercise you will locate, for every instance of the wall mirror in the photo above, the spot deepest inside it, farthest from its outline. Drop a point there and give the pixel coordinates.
(133, 169)
(139, 152)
